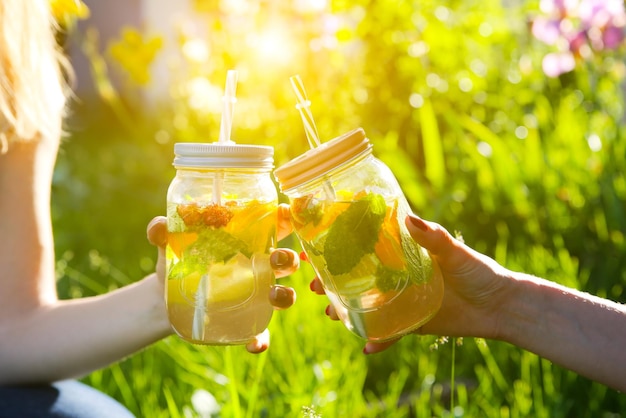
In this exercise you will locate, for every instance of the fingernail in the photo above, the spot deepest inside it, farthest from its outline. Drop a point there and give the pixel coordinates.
(280, 258)
(366, 350)
(281, 297)
(303, 256)
(257, 347)
(312, 286)
(418, 222)
(327, 311)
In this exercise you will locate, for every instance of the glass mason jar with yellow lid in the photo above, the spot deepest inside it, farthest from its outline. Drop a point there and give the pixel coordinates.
(348, 212)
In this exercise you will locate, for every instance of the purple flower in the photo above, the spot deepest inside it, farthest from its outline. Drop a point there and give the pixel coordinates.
(612, 37)
(577, 28)
(604, 21)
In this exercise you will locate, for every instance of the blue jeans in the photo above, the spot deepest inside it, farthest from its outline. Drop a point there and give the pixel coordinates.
(65, 399)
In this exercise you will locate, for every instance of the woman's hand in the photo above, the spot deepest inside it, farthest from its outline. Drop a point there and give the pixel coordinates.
(284, 262)
(475, 286)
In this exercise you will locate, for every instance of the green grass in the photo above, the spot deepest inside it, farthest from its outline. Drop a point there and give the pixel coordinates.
(315, 367)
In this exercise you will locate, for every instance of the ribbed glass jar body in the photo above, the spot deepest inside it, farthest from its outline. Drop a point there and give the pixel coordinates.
(221, 227)
(349, 218)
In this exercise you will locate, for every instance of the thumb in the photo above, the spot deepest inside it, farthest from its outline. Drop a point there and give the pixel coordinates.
(157, 231)
(157, 235)
(430, 235)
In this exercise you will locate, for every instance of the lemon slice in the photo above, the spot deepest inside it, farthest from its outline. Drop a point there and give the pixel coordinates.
(229, 282)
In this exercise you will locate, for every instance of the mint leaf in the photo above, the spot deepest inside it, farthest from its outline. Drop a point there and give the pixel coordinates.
(388, 279)
(213, 245)
(216, 245)
(354, 233)
(180, 270)
(419, 265)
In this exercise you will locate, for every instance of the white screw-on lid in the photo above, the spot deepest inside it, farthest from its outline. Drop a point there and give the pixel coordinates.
(222, 155)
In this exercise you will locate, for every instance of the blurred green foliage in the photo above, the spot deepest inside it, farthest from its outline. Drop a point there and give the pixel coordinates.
(528, 169)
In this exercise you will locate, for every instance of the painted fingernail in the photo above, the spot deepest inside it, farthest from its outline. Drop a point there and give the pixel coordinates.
(327, 311)
(280, 258)
(418, 222)
(303, 256)
(281, 297)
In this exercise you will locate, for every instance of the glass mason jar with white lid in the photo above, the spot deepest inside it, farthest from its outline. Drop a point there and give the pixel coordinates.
(221, 216)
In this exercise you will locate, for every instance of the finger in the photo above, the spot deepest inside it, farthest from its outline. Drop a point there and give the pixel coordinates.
(316, 286)
(284, 262)
(284, 226)
(451, 253)
(430, 235)
(157, 231)
(260, 343)
(373, 348)
(282, 297)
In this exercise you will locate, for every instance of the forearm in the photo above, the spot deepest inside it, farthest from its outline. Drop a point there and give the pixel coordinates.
(578, 331)
(74, 337)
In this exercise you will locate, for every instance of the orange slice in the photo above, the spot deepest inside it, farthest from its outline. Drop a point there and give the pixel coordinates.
(179, 241)
(388, 248)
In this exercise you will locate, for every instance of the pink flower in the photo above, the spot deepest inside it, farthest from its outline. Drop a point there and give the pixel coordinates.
(557, 63)
(577, 41)
(560, 8)
(601, 13)
(546, 30)
(577, 28)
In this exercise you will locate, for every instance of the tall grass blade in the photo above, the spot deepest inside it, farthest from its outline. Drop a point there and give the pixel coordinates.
(433, 148)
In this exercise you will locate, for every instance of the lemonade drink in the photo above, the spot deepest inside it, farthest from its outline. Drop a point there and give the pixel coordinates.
(379, 280)
(348, 212)
(218, 270)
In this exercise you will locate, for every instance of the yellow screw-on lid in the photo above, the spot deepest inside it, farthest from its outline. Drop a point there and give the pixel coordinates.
(320, 160)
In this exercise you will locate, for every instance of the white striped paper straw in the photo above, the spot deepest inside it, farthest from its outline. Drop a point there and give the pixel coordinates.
(229, 106)
(312, 136)
(198, 326)
(226, 125)
(303, 106)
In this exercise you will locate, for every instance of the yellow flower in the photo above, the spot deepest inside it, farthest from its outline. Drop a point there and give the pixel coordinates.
(134, 54)
(67, 11)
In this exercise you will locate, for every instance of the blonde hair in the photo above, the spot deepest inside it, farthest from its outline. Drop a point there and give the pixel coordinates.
(32, 87)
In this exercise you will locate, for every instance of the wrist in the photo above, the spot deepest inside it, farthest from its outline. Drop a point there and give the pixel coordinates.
(521, 309)
(158, 309)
